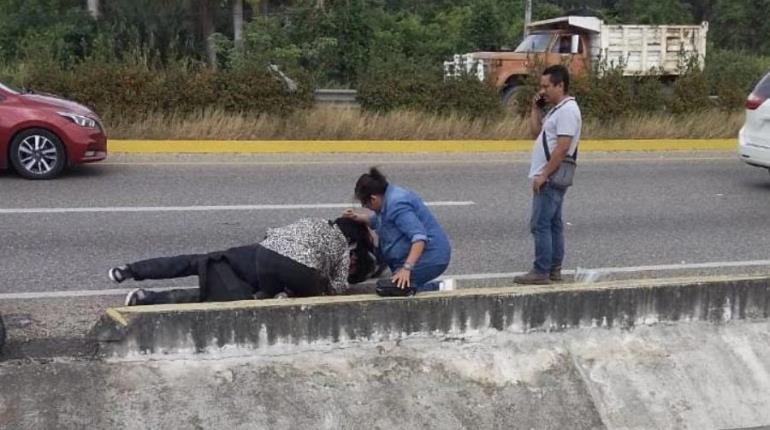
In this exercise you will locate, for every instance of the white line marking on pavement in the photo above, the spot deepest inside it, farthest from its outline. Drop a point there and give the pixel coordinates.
(113, 209)
(630, 269)
(80, 293)
(471, 276)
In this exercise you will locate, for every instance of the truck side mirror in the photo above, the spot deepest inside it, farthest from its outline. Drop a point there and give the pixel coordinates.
(575, 45)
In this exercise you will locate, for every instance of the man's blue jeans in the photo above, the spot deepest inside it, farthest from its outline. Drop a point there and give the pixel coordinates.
(547, 228)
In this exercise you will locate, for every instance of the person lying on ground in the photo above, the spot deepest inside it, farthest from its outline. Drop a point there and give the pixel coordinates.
(310, 257)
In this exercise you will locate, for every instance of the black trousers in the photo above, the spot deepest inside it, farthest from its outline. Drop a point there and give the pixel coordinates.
(276, 273)
(240, 262)
(261, 272)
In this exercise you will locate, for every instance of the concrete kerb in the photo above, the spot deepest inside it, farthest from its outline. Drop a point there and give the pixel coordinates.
(275, 325)
(403, 146)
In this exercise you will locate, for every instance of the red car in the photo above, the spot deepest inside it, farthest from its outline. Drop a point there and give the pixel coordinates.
(41, 134)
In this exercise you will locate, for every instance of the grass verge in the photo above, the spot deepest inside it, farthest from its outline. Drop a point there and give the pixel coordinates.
(351, 124)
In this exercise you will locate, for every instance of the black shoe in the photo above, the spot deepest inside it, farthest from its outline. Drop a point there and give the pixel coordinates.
(533, 278)
(555, 274)
(119, 274)
(138, 297)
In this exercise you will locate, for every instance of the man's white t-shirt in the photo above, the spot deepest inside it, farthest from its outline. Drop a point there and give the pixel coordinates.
(563, 119)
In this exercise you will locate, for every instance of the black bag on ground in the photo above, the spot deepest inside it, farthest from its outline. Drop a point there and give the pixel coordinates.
(386, 288)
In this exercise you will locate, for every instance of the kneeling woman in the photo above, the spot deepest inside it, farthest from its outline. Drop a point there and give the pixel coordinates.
(307, 258)
(411, 241)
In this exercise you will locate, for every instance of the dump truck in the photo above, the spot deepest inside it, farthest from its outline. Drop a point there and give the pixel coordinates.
(580, 42)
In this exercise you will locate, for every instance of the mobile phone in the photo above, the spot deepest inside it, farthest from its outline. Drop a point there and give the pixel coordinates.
(540, 102)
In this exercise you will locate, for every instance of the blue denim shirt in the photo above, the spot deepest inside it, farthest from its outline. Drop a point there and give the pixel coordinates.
(403, 220)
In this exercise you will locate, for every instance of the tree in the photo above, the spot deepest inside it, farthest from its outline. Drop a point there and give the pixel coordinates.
(238, 23)
(93, 8)
(486, 31)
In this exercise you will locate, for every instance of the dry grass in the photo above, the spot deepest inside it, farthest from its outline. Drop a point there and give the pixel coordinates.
(351, 124)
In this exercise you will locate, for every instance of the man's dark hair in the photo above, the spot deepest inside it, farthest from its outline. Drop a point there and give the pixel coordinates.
(558, 74)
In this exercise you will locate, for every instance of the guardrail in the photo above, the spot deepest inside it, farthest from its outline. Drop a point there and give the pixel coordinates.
(336, 98)
(347, 98)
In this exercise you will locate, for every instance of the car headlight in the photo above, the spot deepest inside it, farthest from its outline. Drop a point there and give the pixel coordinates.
(80, 120)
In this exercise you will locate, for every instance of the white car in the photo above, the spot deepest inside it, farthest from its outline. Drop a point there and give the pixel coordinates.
(754, 137)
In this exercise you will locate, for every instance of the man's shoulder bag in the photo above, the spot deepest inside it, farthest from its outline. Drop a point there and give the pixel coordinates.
(563, 176)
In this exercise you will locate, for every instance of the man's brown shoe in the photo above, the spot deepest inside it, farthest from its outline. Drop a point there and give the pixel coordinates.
(555, 274)
(532, 278)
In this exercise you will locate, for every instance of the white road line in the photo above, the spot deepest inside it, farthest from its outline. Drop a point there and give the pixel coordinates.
(80, 293)
(471, 276)
(114, 209)
(631, 269)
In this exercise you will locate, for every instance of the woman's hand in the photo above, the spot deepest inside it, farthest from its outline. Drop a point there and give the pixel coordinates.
(356, 216)
(402, 278)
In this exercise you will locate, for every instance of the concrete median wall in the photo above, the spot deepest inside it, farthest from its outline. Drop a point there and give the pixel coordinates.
(679, 354)
(270, 324)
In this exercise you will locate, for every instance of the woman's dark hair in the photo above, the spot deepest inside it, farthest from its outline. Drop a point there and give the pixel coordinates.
(370, 184)
(354, 232)
(363, 253)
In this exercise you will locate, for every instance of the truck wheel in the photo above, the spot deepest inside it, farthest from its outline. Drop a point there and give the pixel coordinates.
(508, 94)
(509, 97)
(37, 154)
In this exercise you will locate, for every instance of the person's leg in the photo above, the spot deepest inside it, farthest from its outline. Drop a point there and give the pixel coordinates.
(543, 210)
(243, 260)
(557, 236)
(141, 296)
(423, 274)
(165, 267)
(278, 274)
(540, 226)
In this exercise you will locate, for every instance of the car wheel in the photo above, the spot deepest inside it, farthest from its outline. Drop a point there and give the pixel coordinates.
(37, 154)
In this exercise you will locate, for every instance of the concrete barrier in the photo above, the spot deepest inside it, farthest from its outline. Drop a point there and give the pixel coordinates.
(675, 354)
(211, 327)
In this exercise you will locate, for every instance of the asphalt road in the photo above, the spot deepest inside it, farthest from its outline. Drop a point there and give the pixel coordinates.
(625, 210)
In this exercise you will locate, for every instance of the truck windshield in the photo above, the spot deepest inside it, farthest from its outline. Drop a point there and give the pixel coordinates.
(534, 43)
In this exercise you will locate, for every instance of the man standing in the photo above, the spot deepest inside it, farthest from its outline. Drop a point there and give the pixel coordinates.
(558, 135)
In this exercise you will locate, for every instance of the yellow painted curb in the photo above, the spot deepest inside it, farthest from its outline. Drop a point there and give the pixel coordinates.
(403, 146)
(117, 317)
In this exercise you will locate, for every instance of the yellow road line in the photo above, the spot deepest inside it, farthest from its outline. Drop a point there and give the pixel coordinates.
(403, 146)
(612, 160)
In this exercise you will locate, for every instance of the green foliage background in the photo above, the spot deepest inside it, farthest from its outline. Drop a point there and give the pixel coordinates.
(149, 55)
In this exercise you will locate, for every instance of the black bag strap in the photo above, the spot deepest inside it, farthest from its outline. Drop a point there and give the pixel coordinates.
(545, 142)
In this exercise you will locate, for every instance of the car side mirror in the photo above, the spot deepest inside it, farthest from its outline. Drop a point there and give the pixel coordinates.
(575, 45)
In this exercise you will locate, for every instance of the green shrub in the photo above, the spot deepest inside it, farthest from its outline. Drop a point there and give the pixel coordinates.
(690, 90)
(133, 90)
(731, 76)
(400, 84)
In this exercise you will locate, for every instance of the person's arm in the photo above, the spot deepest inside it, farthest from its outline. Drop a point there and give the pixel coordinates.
(407, 222)
(338, 278)
(403, 278)
(368, 218)
(535, 120)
